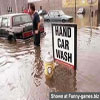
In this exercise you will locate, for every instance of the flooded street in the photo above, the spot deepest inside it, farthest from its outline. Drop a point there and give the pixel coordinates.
(22, 71)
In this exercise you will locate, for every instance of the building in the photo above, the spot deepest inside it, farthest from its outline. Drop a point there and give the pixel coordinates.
(12, 6)
(68, 6)
(79, 3)
(49, 4)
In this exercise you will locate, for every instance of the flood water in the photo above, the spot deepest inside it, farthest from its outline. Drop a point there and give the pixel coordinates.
(22, 71)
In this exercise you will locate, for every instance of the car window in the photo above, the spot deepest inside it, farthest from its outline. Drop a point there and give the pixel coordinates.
(61, 13)
(56, 13)
(21, 19)
(16, 20)
(4, 22)
(25, 18)
(51, 13)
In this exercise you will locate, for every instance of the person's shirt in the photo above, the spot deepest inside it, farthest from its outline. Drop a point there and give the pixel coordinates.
(36, 20)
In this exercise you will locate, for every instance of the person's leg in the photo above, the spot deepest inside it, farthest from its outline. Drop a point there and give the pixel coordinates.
(37, 39)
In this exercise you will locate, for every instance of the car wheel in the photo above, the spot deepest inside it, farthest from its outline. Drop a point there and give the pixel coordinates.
(63, 20)
(11, 38)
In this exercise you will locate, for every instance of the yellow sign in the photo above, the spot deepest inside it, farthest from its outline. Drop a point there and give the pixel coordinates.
(79, 3)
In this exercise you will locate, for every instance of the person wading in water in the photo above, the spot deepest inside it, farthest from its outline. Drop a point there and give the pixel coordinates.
(36, 24)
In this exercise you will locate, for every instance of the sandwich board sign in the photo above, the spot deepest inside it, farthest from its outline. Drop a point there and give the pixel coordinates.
(64, 39)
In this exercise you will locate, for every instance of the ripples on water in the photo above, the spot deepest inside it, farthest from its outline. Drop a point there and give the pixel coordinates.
(22, 71)
(88, 60)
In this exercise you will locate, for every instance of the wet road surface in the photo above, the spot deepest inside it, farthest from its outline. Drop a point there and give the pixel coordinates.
(22, 71)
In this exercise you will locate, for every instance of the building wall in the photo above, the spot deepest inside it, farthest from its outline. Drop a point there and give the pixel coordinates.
(79, 3)
(16, 6)
(49, 4)
(66, 5)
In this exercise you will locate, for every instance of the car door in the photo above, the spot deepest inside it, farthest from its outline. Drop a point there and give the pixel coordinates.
(4, 27)
(51, 15)
(57, 16)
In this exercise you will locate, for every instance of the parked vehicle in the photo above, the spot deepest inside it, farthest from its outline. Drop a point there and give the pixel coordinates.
(81, 11)
(42, 12)
(41, 22)
(57, 15)
(16, 26)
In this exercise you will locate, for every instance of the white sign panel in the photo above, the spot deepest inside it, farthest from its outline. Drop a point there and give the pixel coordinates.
(65, 43)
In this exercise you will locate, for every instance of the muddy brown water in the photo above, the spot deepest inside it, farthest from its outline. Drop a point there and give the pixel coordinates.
(22, 71)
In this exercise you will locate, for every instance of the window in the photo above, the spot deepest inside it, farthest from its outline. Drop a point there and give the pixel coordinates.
(61, 12)
(56, 13)
(25, 19)
(21, 19)
(4, 22)
(16, 20)
(51, 13)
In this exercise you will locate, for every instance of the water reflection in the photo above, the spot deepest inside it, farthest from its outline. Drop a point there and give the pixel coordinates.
(38, 67)
(98, 18)
(64, 80)
(22, 71)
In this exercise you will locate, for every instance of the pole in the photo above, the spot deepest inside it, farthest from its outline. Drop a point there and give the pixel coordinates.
(75, 10)
(91, 16)
(99, 5)
(16, 6)
(98, 14)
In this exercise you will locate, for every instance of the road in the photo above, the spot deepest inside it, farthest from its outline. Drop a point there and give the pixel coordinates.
(22, 71)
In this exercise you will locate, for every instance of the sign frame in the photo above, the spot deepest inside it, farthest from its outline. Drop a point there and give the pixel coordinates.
(75, 44)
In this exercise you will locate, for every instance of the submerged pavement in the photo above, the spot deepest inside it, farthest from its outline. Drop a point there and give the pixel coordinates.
(22, 71)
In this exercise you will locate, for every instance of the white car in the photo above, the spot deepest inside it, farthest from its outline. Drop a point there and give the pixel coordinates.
(16, 26)
(57, 15)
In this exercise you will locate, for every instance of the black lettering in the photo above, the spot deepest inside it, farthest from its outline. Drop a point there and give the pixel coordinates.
(62, 56)
(65, 31)
(58, 53)
(69, 32)
(65, 56)
(60, 34)
(67, 44)
(59, 42)
(62, 43)
(69, 57)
